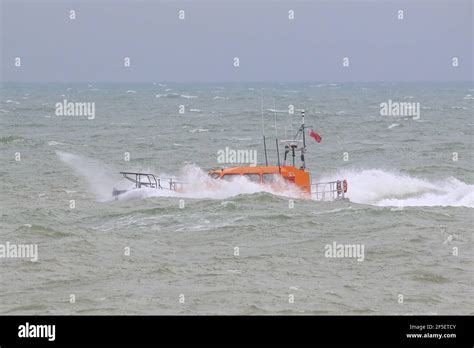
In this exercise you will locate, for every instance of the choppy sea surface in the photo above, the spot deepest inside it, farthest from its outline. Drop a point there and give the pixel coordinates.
(410, 190)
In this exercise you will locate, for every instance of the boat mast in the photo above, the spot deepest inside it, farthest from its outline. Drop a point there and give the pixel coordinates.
(303, 149)
(297, 143)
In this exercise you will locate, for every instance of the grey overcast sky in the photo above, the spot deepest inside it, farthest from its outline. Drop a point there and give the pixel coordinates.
(202, 47)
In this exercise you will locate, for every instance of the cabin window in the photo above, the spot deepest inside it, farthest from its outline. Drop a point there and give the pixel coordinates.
(270, 178)
(229, 177)
(253, 177)
(214, 175)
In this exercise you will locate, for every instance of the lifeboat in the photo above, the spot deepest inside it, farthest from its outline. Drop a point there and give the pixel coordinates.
(279, 177)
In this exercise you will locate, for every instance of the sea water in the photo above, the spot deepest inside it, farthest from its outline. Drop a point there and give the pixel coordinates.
(236, 248)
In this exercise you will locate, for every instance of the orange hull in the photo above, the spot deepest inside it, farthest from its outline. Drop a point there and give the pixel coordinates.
(267, 175)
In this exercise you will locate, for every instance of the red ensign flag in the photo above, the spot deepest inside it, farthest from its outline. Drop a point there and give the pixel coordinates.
(315, 135)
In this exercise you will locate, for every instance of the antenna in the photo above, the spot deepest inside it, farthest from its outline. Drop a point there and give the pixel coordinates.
(278, 155)
(276, 135)
(263, 130)
(303, 150)
(302, 125)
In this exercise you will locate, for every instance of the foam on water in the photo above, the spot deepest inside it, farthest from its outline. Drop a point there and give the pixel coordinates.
(384, 188)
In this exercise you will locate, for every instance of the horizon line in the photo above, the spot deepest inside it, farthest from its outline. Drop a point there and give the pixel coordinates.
(237, 82)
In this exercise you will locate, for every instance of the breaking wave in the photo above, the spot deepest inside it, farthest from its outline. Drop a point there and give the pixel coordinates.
(383, 188)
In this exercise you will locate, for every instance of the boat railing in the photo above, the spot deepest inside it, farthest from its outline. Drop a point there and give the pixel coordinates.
(330, 190)
(151, 181)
